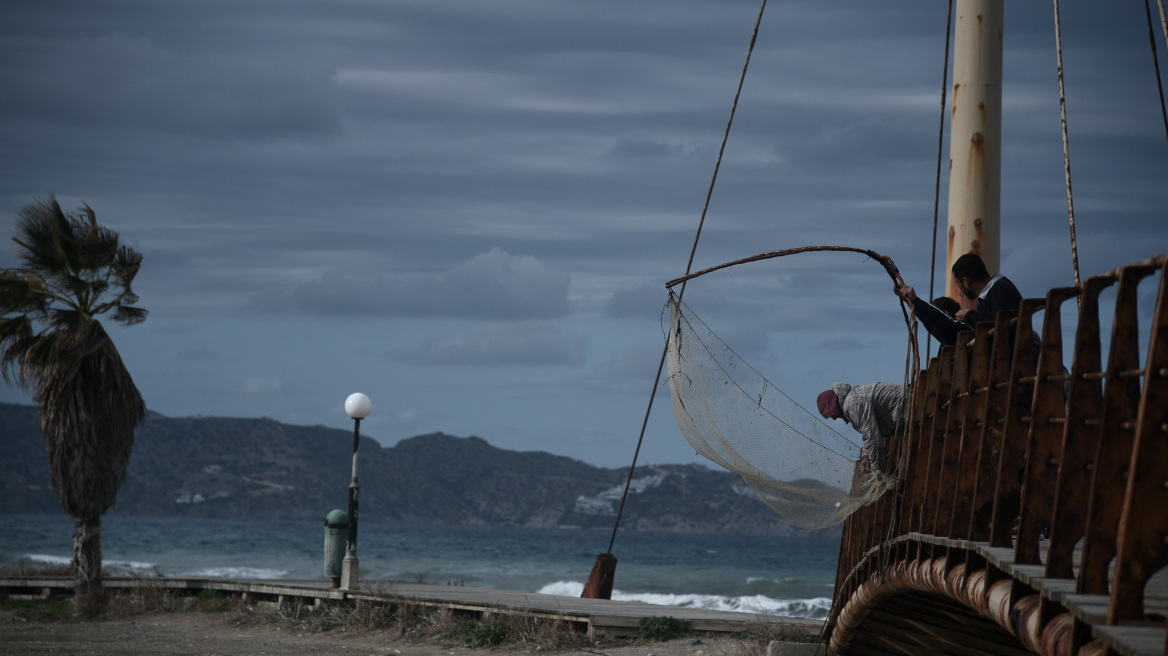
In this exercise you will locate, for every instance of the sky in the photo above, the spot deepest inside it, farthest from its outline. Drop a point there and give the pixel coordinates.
(468, 211)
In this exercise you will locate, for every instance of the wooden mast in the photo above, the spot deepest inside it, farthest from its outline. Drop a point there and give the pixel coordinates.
(975, 138)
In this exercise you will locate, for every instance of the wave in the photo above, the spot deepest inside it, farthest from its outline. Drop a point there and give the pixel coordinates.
(133, 568)
(117, 566)
(814, 608)
(46, 559)
(236, 573)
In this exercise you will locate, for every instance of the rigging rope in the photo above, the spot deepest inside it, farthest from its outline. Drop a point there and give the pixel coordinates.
(688, 266)
(1058, 46)
(940, 151)
(1155, 59)
(1163, 20)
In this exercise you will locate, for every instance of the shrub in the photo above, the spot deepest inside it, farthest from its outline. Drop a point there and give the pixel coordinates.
(486, 633)
(662, 628)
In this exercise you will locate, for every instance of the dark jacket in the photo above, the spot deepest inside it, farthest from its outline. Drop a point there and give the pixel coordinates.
(999, 294)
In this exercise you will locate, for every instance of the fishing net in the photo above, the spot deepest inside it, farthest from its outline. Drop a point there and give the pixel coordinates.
(805, 471)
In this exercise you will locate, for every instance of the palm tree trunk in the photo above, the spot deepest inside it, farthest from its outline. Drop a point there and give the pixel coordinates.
(88, 597)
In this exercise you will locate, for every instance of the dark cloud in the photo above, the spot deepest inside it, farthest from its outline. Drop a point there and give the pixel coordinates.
(117, 82)
(643, 148)
(197, 353)
(842, 344)
(490, 285)
(629, 372)
(644, 302)
(351, 170)
(531, 344)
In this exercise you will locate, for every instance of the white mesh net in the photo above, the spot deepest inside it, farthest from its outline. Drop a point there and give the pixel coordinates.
(805, 471)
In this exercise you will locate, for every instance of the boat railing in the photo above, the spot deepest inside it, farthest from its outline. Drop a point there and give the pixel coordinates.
(1031, 491)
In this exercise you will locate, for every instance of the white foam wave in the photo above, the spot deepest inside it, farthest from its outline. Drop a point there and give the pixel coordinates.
(119, 566)
(563, 588)
(237, 573)
(47, 559)
(815, 608)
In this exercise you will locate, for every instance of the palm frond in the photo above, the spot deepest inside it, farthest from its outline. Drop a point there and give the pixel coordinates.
(128, 315)
(16, 339)
(89, 409)
(45, 234)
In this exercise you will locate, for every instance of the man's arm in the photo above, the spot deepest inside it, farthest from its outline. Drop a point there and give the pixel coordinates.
(863, 418)
(939, 324)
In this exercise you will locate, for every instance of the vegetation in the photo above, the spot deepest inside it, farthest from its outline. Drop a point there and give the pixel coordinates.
(768, 632)
(488, 632)
(401, 618)
(662, 628)
(52, 344)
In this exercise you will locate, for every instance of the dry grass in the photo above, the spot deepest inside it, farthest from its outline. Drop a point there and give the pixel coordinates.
(418, 622)
(754, 642)
(32, 568)
(397, 615)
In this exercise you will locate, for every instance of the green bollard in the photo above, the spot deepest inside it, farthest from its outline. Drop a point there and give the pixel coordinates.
(336, 528)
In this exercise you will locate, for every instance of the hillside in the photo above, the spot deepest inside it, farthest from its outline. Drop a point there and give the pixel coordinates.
(253, 468)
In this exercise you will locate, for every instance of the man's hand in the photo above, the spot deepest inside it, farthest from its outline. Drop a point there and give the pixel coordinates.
(905, 292)
(960, 316)
(865, 464)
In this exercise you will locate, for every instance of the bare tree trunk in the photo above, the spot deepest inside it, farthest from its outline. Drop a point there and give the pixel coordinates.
(88, 596)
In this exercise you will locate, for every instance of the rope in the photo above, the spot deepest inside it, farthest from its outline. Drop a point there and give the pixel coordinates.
(1058, 46)
(1163, 20)
(940, 151)
(1155, 59)
(688, 266)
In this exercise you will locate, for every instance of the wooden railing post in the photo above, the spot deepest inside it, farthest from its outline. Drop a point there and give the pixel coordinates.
(1080, 435)
(1048, 413)
(992, 424)
(1121, 396)
(918, 468)
(1008, 494)
(950, 479)
(1143, 526)
(970, 434)
(936, 440)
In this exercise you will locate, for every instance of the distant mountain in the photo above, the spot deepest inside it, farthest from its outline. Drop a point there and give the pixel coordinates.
(260, 468)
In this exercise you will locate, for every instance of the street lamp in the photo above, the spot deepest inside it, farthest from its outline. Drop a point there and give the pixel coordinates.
(357, 406)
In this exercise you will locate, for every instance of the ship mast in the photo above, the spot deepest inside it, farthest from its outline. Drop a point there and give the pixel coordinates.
(975, 138)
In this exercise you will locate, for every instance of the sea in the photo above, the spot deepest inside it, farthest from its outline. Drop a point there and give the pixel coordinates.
(780, 576)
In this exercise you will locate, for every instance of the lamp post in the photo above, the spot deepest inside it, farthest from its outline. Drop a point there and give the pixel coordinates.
(357, 406)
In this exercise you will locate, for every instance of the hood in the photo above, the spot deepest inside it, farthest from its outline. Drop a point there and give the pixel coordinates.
(842, 390)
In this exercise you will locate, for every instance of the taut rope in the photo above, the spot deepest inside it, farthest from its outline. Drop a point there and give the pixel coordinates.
(1058, 46)
(688, 266)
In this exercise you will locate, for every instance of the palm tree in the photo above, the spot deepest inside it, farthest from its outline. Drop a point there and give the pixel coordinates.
(52, 345)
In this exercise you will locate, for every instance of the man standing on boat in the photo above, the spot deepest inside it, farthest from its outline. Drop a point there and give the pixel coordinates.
(873, 410)
(992, 293)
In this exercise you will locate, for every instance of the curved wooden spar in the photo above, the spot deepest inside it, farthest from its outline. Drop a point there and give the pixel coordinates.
(884, 260)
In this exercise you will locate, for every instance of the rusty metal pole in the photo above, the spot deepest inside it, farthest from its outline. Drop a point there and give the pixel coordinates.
(975, 139)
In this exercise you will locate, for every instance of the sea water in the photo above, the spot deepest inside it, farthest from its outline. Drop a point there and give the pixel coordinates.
(770, 575)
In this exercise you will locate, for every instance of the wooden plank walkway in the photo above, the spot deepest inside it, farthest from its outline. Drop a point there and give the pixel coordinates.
(601, 617)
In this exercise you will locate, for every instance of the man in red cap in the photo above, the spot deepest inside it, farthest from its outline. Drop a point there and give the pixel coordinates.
(874, 410)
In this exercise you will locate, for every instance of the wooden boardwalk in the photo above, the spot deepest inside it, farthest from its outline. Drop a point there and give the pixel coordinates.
(600, 617)
(1003, 446)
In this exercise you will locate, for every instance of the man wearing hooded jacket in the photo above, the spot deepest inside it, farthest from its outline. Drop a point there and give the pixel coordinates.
(873, 410)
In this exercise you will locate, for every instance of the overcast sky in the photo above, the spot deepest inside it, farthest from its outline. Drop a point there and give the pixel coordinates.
(468, 210)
